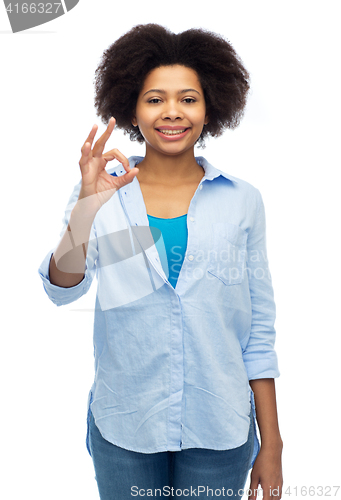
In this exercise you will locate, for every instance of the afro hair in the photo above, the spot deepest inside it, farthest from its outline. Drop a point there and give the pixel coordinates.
(125, 64)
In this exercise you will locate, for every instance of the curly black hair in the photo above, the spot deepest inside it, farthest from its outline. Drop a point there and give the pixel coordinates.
(125, 64)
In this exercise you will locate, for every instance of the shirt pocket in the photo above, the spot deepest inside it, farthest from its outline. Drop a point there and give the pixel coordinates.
(227, 255)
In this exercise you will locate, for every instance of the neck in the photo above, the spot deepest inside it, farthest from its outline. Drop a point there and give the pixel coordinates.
(168, 169)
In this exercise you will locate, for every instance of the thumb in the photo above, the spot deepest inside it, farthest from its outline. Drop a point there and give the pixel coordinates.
(126, 178)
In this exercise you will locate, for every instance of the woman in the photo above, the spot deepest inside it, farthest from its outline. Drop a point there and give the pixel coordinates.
(184, 323)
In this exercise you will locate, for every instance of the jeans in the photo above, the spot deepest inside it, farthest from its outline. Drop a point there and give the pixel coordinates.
(123, 474)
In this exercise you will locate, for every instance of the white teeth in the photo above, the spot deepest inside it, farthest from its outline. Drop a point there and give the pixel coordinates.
(172, 132)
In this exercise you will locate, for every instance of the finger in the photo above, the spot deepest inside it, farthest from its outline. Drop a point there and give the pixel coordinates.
(276, 493)
(253, 490)
(86, 153)
(126, 178)
(86, 148)
(267, 493)
(115, 153)
(100, 143)
(91, 136)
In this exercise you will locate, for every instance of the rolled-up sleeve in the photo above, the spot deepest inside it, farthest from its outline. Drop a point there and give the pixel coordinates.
(59, 295)
(259, 355)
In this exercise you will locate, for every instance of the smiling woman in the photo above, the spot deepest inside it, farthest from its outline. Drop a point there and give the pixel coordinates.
(184, 323)
(171, 111)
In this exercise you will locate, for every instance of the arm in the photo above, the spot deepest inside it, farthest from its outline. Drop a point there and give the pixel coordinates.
(267, 469)
(266, 411)
(67, 264)
(261, 361)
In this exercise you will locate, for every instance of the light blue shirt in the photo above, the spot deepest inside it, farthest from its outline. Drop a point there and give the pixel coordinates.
(172, 365)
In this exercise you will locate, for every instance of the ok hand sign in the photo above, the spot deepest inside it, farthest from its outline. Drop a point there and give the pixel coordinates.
(96, 182)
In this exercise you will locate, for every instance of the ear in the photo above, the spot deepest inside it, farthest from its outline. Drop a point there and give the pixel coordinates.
(206, 120)
(134, 121)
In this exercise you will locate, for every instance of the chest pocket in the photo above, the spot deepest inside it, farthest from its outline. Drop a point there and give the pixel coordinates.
(227, 253)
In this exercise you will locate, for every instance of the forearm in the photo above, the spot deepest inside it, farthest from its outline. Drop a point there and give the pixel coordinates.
(266, 412)
(67, 265)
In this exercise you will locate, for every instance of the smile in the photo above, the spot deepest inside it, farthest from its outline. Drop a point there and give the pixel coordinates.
(172, 132)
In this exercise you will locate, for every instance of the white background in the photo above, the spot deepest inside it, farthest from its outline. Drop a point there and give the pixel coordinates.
(287, 145)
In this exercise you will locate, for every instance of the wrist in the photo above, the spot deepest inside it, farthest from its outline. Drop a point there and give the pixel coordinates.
(88, 204)
(273, 443)
(86, 207)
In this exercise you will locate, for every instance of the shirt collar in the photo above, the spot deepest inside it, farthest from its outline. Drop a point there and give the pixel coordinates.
(210, 171)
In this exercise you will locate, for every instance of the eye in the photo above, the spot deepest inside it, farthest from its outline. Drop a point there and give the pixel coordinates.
(189, 100)
(155, 100)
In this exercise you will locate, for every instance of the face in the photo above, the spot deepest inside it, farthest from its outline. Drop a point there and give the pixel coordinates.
(170, 110)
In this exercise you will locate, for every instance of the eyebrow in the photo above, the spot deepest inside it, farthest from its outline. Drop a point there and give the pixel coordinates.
(160, 91)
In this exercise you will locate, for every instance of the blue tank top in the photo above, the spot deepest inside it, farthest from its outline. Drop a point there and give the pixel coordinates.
(174, 234)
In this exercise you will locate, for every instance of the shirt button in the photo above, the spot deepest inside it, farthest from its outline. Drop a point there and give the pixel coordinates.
(190, 257)
(191, 219)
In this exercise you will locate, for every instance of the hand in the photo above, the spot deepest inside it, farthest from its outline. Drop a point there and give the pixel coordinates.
(267, 471)
(96, 182)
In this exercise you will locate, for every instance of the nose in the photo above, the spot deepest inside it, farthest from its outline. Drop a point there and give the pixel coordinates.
(172, 112)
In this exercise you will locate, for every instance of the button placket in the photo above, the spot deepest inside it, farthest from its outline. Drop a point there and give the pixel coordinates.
(191, 219)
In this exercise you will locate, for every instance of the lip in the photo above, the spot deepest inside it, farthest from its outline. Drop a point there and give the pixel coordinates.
(172, 137)
(167, 127)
